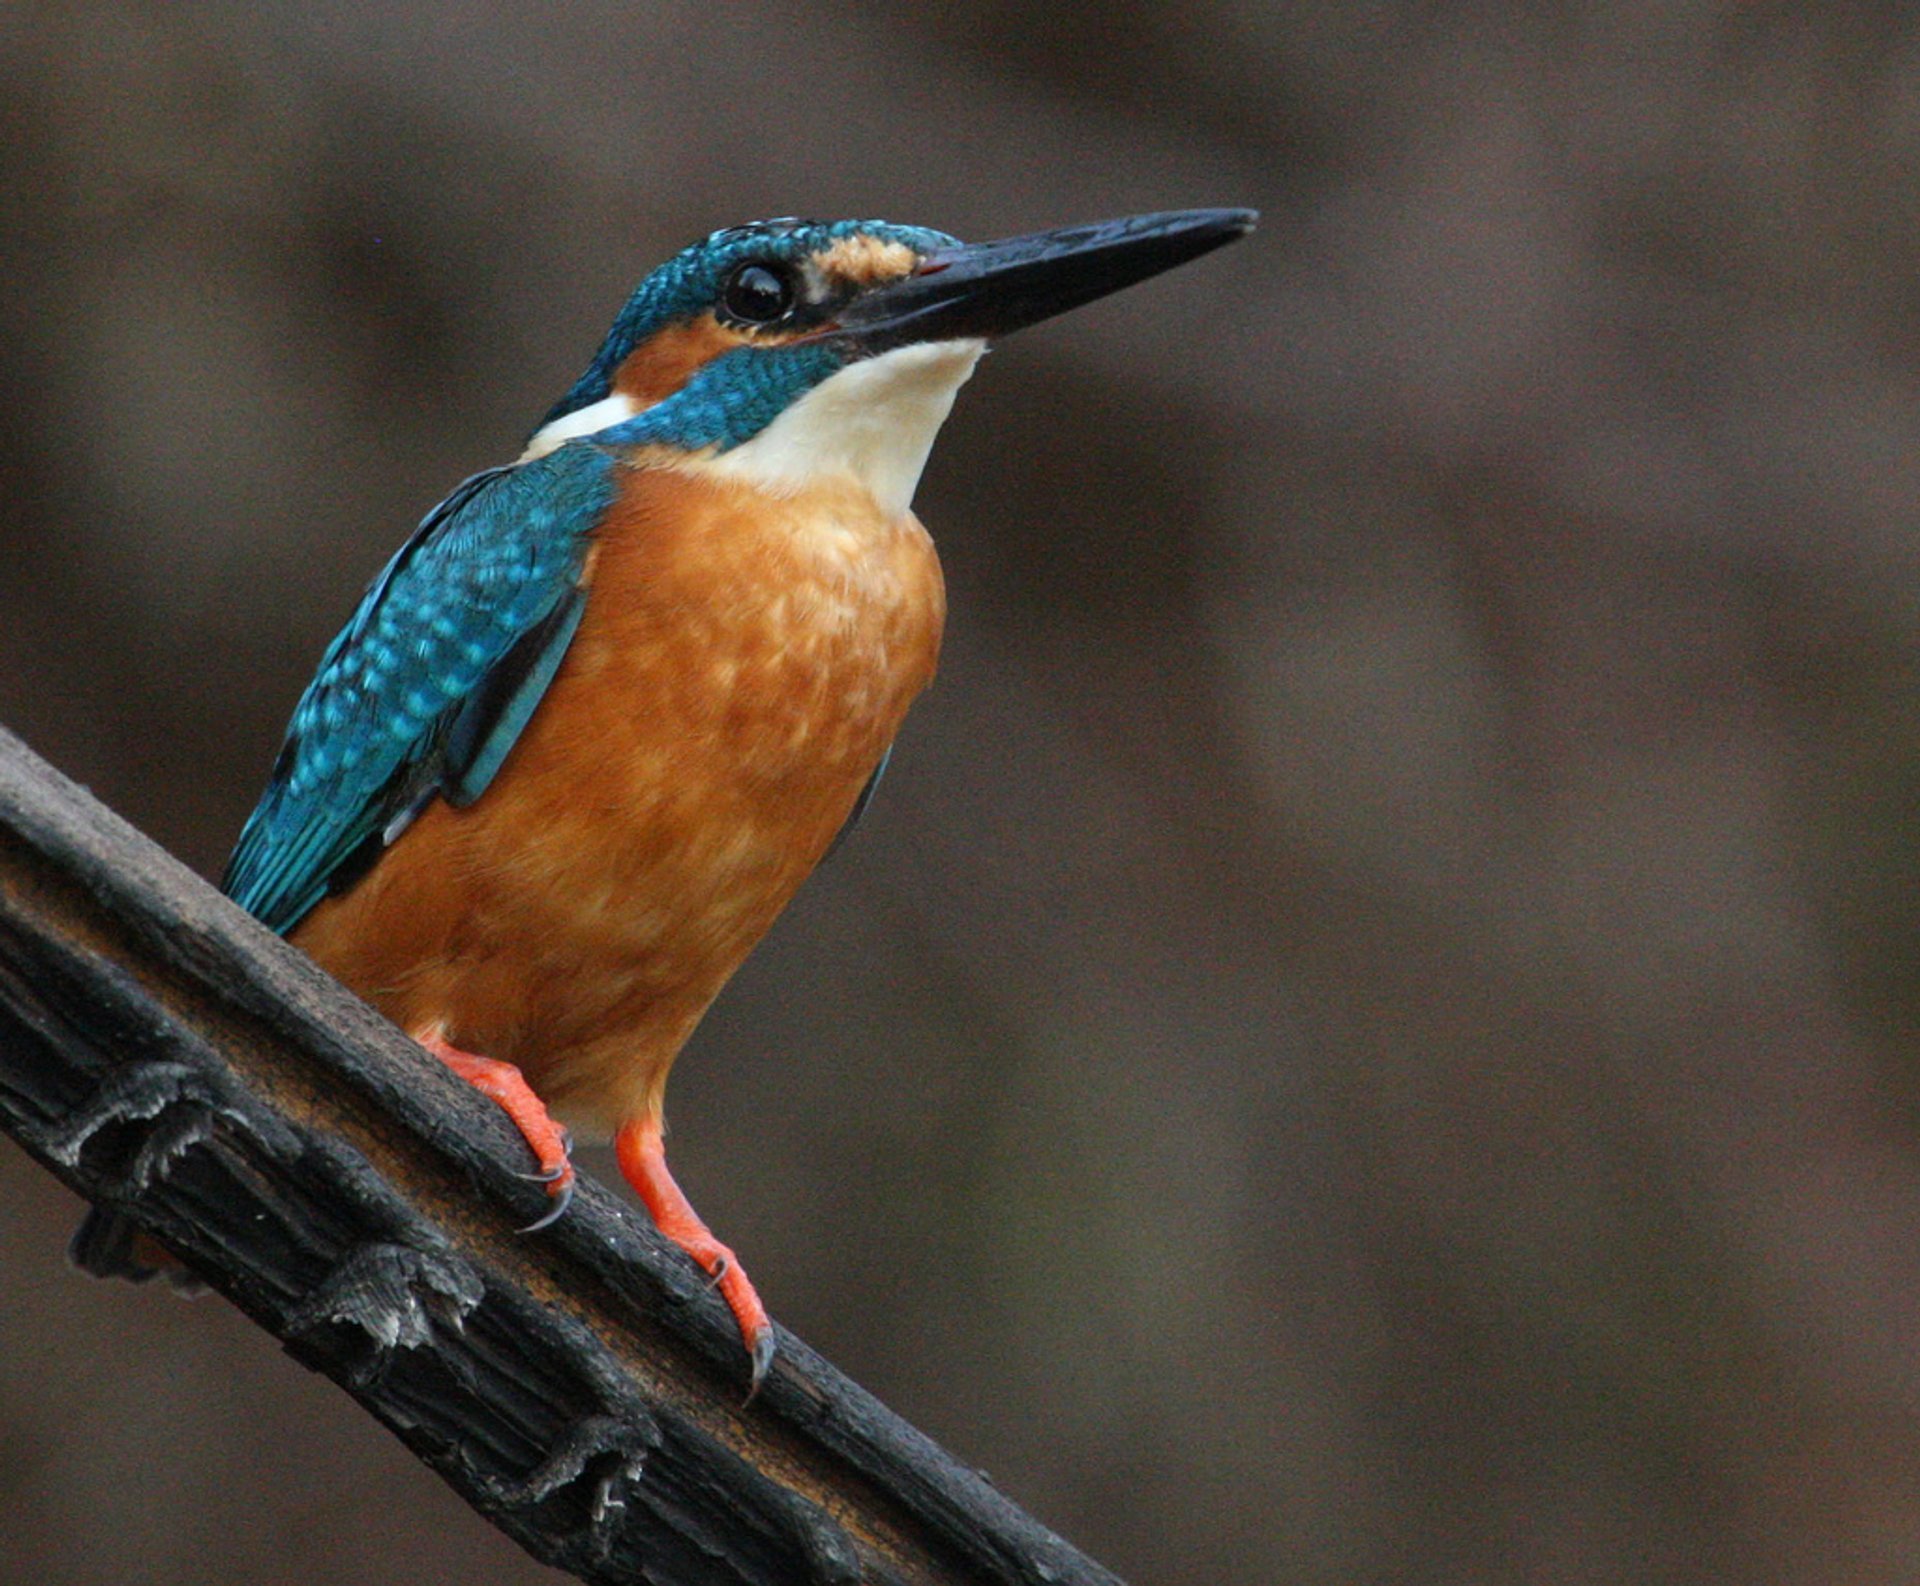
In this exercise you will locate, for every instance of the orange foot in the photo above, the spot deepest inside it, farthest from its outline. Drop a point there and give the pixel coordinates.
(505, 1085)
(643, 1159)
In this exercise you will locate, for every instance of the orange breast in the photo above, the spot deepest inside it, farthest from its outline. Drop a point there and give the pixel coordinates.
(743, 663)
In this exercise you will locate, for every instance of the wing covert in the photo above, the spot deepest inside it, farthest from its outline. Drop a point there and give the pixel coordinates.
(424, 691)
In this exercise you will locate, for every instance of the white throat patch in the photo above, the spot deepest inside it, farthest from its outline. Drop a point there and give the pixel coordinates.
(874, 421)
(589, 420)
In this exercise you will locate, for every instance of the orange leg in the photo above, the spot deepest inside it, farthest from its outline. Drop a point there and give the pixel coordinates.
(643, 1159)
(503, 1083)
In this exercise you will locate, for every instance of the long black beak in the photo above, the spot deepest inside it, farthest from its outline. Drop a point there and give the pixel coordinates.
(991, 288)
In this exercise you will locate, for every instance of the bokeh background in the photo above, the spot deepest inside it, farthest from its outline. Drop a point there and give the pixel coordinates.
(1369, 1035)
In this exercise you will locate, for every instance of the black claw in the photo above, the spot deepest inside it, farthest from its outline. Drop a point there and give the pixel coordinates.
(762, 1350)
(560, 1204)
(720, 1271)
(552, 1175)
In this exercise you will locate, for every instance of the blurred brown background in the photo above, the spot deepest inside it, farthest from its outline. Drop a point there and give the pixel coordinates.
(1369, 1034)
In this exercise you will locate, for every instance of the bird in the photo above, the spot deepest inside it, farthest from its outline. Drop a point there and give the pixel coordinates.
(611, 703)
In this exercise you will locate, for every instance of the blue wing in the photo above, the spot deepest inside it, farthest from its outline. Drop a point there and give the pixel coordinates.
(424, 692)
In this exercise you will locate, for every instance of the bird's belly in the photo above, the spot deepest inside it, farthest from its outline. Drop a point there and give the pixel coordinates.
(657, 871)
(693, 760)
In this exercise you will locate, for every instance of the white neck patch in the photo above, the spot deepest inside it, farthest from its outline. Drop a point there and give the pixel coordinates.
(589, 420)
(873, 421)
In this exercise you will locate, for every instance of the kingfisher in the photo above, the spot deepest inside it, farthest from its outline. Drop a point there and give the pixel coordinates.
(599, 717)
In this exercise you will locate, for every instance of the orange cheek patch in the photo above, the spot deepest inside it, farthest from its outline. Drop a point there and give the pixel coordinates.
(661, 365)
(865, 260)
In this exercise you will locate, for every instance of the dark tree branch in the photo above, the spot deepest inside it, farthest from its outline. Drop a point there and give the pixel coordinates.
(162, 1053)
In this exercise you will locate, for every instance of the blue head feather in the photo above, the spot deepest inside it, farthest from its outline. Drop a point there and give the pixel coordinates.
(739, 393)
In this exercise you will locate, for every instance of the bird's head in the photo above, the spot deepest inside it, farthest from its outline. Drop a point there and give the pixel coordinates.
(786, 350)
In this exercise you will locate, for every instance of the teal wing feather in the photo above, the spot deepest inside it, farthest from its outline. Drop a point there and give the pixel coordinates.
(424, 692)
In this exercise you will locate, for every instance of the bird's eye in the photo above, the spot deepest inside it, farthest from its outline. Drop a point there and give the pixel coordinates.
(758, 293)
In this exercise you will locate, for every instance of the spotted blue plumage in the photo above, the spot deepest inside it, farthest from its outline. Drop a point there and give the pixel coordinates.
(424, 691)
